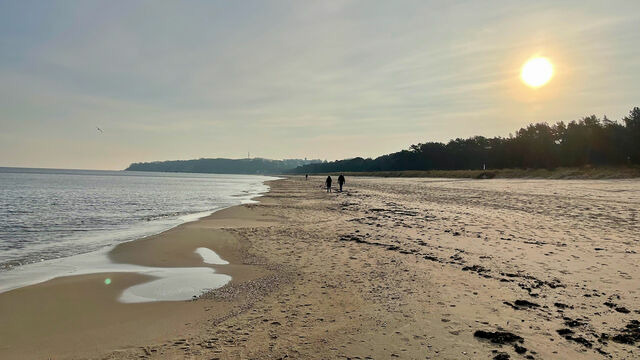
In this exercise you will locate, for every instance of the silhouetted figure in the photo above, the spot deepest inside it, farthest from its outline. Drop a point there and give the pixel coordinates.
(328, 183)
(306, 176)
(341, 181)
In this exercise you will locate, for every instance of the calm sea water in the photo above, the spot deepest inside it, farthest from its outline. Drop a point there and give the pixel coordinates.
(47, 214)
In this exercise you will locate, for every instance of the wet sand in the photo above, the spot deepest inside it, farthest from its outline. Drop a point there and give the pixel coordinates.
(80, 316)
(390, 268)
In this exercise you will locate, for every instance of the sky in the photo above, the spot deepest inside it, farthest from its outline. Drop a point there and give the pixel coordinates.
(168, 80)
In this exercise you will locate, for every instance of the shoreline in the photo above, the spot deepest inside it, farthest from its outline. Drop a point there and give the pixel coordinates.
(390, 268)
(104, 252)
(103, 217)
(81, 308)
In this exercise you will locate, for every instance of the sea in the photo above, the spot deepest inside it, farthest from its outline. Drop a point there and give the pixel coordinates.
(48, 214)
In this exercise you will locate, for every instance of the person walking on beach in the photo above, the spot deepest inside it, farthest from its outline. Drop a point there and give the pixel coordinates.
(328, 183)
(306, 176)
(341, 181)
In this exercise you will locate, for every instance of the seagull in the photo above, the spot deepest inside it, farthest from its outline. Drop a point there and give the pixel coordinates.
(99, 130)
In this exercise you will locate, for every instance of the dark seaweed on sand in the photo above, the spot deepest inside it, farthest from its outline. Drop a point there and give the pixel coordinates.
(498, 337)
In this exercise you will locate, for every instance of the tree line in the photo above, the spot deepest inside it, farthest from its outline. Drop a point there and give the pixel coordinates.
(588, 141)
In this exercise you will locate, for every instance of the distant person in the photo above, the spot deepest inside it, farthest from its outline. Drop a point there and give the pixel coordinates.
(328, 183)
(306, 176)
(341, 181)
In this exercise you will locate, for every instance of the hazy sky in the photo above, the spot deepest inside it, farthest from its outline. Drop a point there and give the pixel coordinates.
(294, 79)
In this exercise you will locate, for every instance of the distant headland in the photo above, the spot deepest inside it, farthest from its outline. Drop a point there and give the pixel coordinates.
(223, 166)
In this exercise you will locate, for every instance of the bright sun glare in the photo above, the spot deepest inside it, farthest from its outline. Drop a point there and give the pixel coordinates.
(537, 72)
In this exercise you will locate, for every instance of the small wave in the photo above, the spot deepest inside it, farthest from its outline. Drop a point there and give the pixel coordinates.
(57, 214)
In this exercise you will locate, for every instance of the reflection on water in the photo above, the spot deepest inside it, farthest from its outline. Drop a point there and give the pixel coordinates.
(167, 284)
(210, 257)
(174, 284)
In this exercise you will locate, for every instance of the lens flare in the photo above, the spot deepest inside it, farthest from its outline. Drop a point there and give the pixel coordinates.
(107, 281)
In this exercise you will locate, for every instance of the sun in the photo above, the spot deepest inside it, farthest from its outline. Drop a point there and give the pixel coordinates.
(536, 72)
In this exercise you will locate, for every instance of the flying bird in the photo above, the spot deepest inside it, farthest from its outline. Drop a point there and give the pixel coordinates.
(99, 130)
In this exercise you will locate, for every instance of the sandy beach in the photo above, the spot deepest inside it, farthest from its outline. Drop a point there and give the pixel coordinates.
(390, 268)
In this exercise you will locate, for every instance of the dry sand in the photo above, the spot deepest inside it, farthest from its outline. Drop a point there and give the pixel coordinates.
(391, 268)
